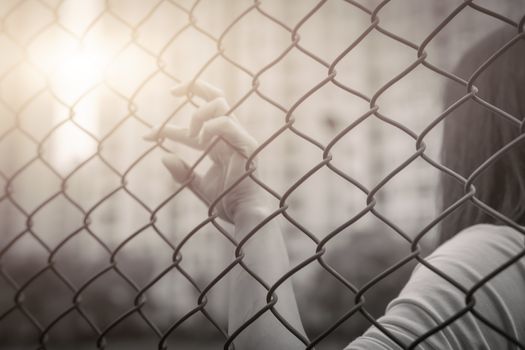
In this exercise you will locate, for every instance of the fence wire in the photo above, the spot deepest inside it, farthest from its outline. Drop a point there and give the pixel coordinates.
(13, 116)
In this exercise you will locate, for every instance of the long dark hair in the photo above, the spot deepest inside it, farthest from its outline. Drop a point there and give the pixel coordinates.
(473, 133)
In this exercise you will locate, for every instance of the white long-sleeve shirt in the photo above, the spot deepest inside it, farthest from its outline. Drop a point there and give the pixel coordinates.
(428, 300)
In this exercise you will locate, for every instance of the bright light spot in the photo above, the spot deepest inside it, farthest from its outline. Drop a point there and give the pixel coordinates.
(76, 74)
(72, 146)
(75, 68)
(74, 78)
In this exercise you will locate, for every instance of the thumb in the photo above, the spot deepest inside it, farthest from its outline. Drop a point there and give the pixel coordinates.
(152, 135)
(177, 167)
(181, 172)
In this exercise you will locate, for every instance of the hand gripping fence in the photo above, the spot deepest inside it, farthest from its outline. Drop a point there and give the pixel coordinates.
(19, 308)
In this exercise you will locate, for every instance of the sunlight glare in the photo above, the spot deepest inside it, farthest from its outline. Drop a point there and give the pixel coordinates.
(76, 75)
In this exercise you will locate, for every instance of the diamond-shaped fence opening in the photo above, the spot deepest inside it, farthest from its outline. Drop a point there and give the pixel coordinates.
(100, 248)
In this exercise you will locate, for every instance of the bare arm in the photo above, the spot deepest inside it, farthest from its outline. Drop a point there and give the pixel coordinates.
(264, 252)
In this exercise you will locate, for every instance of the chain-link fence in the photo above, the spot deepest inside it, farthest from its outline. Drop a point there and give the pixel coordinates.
(344, 98)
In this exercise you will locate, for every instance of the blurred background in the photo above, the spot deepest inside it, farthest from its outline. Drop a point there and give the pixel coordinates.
(88, 217)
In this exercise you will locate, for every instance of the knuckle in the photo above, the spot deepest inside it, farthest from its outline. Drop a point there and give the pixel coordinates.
(216, 91)
(224, 122)
(252, 145)
(220, 105)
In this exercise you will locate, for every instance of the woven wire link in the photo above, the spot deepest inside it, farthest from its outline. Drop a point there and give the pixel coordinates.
(141, 291)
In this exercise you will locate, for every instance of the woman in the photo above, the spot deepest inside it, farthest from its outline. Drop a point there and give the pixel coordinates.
(478, 241)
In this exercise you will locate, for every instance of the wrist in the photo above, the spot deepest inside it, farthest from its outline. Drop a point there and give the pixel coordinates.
(251, 212)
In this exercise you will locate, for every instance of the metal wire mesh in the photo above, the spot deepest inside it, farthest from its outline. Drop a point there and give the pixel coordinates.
(13, 113)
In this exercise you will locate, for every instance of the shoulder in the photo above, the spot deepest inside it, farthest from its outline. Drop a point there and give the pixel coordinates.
(466, 264)
(481, 247)
(470, 255)
(438, 287)
(487, 234)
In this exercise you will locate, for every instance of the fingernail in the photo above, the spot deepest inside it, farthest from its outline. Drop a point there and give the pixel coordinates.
(176, 166)
(177, 90)
(150, 135)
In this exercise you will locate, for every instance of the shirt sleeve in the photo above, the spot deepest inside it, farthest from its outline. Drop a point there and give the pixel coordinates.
(428, 300)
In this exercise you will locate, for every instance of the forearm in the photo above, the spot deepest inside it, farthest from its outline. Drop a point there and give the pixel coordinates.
(265, 254)
(229, 145)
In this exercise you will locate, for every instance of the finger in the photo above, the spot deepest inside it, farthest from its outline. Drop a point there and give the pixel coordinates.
(231, 131)
(181, 172)
(199, 88)
(217, 107)
(174, 133)
(177, 167)
(153, 134)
